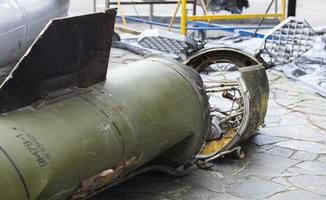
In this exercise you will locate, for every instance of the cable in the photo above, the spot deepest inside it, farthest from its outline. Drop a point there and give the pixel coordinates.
(263, 19)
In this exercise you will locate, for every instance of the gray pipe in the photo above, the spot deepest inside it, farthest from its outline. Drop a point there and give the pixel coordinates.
(21, 22)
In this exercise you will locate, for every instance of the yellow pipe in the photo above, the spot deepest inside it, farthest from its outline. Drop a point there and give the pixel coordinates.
(183, 23)
(283, 7)
(126, 29)
(234, 16)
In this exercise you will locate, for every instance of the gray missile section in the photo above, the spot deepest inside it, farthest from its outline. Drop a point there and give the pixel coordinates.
(21, 22)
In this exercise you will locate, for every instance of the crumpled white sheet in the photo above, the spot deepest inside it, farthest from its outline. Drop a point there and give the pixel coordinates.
(308, 70)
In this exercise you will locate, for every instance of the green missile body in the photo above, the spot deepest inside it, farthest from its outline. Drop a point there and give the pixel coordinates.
(68, 132)
(152, 112)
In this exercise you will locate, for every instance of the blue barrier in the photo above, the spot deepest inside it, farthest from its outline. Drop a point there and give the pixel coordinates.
(242, 30)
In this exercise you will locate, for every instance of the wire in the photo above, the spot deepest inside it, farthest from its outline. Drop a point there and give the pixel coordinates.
(263, 19)
(134, 6)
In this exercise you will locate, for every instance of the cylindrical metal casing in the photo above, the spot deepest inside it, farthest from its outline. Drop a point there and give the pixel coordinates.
(22, 21)
(150, 112)
(254, 87)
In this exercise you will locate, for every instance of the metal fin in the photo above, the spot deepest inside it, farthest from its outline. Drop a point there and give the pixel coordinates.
(70, 52)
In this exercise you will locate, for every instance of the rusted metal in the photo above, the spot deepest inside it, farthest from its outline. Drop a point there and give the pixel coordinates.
(254, 90)
(72, 52)
(227, 95)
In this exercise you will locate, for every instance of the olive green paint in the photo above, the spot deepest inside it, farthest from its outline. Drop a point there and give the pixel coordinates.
(155, 110)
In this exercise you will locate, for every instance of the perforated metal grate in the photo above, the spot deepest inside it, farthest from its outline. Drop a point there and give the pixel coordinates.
(288, 40)
(167, 42)
(165, 45)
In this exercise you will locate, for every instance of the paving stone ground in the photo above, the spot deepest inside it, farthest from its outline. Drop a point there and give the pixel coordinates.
(286, 160)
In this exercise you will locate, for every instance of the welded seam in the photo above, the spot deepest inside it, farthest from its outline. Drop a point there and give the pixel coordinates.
(114, 124)
(122, 141)
(93, 104)
(198, 92)
(18, 172)
(185, 79)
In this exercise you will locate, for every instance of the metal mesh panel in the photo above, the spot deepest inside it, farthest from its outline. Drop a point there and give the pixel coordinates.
(288, 40)
(165, 45)
(167, 42)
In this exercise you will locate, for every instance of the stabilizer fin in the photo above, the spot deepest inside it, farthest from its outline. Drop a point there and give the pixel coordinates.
(70, 52)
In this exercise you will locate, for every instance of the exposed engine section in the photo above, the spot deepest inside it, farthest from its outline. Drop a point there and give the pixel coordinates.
(238, 106)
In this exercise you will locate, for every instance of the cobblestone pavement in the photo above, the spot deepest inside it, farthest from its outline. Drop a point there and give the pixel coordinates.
(286, 160)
